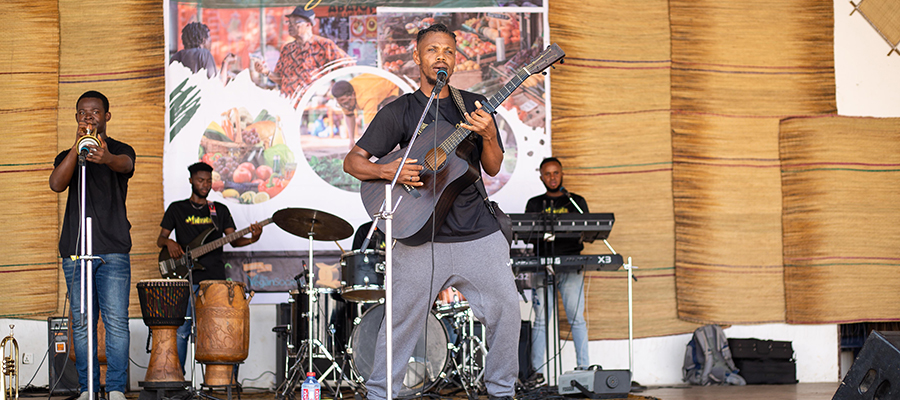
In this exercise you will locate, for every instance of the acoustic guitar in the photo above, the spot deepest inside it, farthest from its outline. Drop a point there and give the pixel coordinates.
(177, 268)
(445, 167)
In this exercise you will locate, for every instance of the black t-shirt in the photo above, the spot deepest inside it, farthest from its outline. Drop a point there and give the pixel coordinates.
(469, 217)
(558, 205)
(189, 222)
(105, 195)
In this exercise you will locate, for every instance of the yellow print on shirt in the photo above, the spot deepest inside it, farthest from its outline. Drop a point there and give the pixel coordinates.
(556, 210)
(195, 220)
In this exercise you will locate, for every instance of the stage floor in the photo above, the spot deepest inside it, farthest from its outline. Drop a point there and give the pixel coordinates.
(802, 391)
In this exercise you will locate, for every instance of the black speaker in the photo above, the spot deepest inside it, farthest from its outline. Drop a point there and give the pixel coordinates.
(875, 375)
(63, 375)
(282, 361)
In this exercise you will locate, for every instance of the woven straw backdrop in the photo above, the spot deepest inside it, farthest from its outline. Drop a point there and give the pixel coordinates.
(727, 99)
(841, 180)
(611, 131)
(28, 75)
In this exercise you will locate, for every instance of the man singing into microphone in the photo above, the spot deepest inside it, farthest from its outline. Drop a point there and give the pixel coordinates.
(108, 164)
(570, 284)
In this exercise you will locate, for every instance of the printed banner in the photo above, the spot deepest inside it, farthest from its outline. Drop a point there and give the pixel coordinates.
(276, 120)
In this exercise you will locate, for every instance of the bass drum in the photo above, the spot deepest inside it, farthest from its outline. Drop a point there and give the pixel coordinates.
(428, 361)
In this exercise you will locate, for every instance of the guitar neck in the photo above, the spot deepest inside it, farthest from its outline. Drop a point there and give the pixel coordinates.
(461, 133)
(222, 241)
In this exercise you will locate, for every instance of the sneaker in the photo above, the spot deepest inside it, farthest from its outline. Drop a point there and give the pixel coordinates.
(116, 395)
(536, 379)
(84, 396)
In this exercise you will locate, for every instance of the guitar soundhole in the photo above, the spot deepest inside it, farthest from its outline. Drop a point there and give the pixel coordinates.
(432, 163)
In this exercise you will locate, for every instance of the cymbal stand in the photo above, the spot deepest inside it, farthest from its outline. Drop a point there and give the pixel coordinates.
(312, 347)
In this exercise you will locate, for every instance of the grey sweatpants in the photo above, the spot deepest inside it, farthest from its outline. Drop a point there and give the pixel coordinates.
(480, 270)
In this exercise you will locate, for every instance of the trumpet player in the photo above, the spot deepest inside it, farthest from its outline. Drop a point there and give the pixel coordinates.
(109, 164)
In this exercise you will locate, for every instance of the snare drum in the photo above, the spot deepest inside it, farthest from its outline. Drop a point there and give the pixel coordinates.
(363, 275)
(450, 301)
(425, 366)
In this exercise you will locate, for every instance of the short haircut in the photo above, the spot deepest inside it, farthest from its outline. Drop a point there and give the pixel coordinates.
(549, 160)
(193, 34)
(93, 94)
(199, 167)
(341, 88)
(436, 28)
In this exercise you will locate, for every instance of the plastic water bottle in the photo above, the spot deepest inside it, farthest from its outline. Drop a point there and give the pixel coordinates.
(310, 388)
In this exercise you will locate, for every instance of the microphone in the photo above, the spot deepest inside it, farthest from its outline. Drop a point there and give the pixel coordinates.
(571, 200)
(441, 81)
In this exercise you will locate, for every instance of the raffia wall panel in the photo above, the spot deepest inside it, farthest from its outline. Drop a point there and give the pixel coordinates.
(841, 178)
(117, 48)
(29, 70)
(727, 97)
(611, 130)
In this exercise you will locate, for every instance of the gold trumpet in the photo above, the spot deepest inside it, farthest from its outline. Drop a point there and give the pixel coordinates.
(9, 386)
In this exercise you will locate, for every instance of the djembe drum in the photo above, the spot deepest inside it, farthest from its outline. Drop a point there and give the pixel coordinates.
(223, 329)
(164, 304)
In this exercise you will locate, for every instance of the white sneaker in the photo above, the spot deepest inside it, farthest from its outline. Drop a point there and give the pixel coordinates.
(115, 395)
(84, 396)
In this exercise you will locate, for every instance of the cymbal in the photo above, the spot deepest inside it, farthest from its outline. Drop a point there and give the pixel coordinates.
(320, 225)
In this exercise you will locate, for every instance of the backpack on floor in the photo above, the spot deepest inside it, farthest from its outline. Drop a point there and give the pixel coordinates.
(707, 359)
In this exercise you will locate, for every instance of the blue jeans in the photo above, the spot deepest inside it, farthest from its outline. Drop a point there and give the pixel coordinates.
(571, 286)
(184, 331)
(112, 285)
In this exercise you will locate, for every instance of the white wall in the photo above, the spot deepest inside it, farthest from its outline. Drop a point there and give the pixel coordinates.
(657, 360)
(867, 79)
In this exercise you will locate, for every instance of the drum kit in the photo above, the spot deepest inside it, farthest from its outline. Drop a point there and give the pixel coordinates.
(333, 331)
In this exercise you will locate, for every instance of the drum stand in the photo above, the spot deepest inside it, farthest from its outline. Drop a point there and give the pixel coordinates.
(468, 363)
(311, 348)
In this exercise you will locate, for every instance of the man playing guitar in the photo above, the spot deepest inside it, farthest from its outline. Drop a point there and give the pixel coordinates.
(190, 218)
(468, 250)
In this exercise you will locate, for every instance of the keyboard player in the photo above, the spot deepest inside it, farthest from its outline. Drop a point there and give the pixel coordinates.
(557, 200)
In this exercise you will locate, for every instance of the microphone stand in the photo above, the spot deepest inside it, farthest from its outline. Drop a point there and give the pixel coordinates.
(387, 215)
(86, 258)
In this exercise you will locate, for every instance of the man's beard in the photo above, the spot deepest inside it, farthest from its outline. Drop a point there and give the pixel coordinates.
(554, 190)
(198, 194)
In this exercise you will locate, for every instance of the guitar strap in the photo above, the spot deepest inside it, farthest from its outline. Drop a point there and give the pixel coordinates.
(479, 184)
(212, 214)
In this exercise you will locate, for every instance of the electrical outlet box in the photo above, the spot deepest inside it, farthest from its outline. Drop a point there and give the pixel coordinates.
(27, 358)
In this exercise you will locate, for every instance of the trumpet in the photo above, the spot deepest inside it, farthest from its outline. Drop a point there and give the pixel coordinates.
(9, 386)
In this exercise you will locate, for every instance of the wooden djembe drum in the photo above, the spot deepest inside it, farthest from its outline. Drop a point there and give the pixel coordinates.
(164, 304)
(223, 329)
